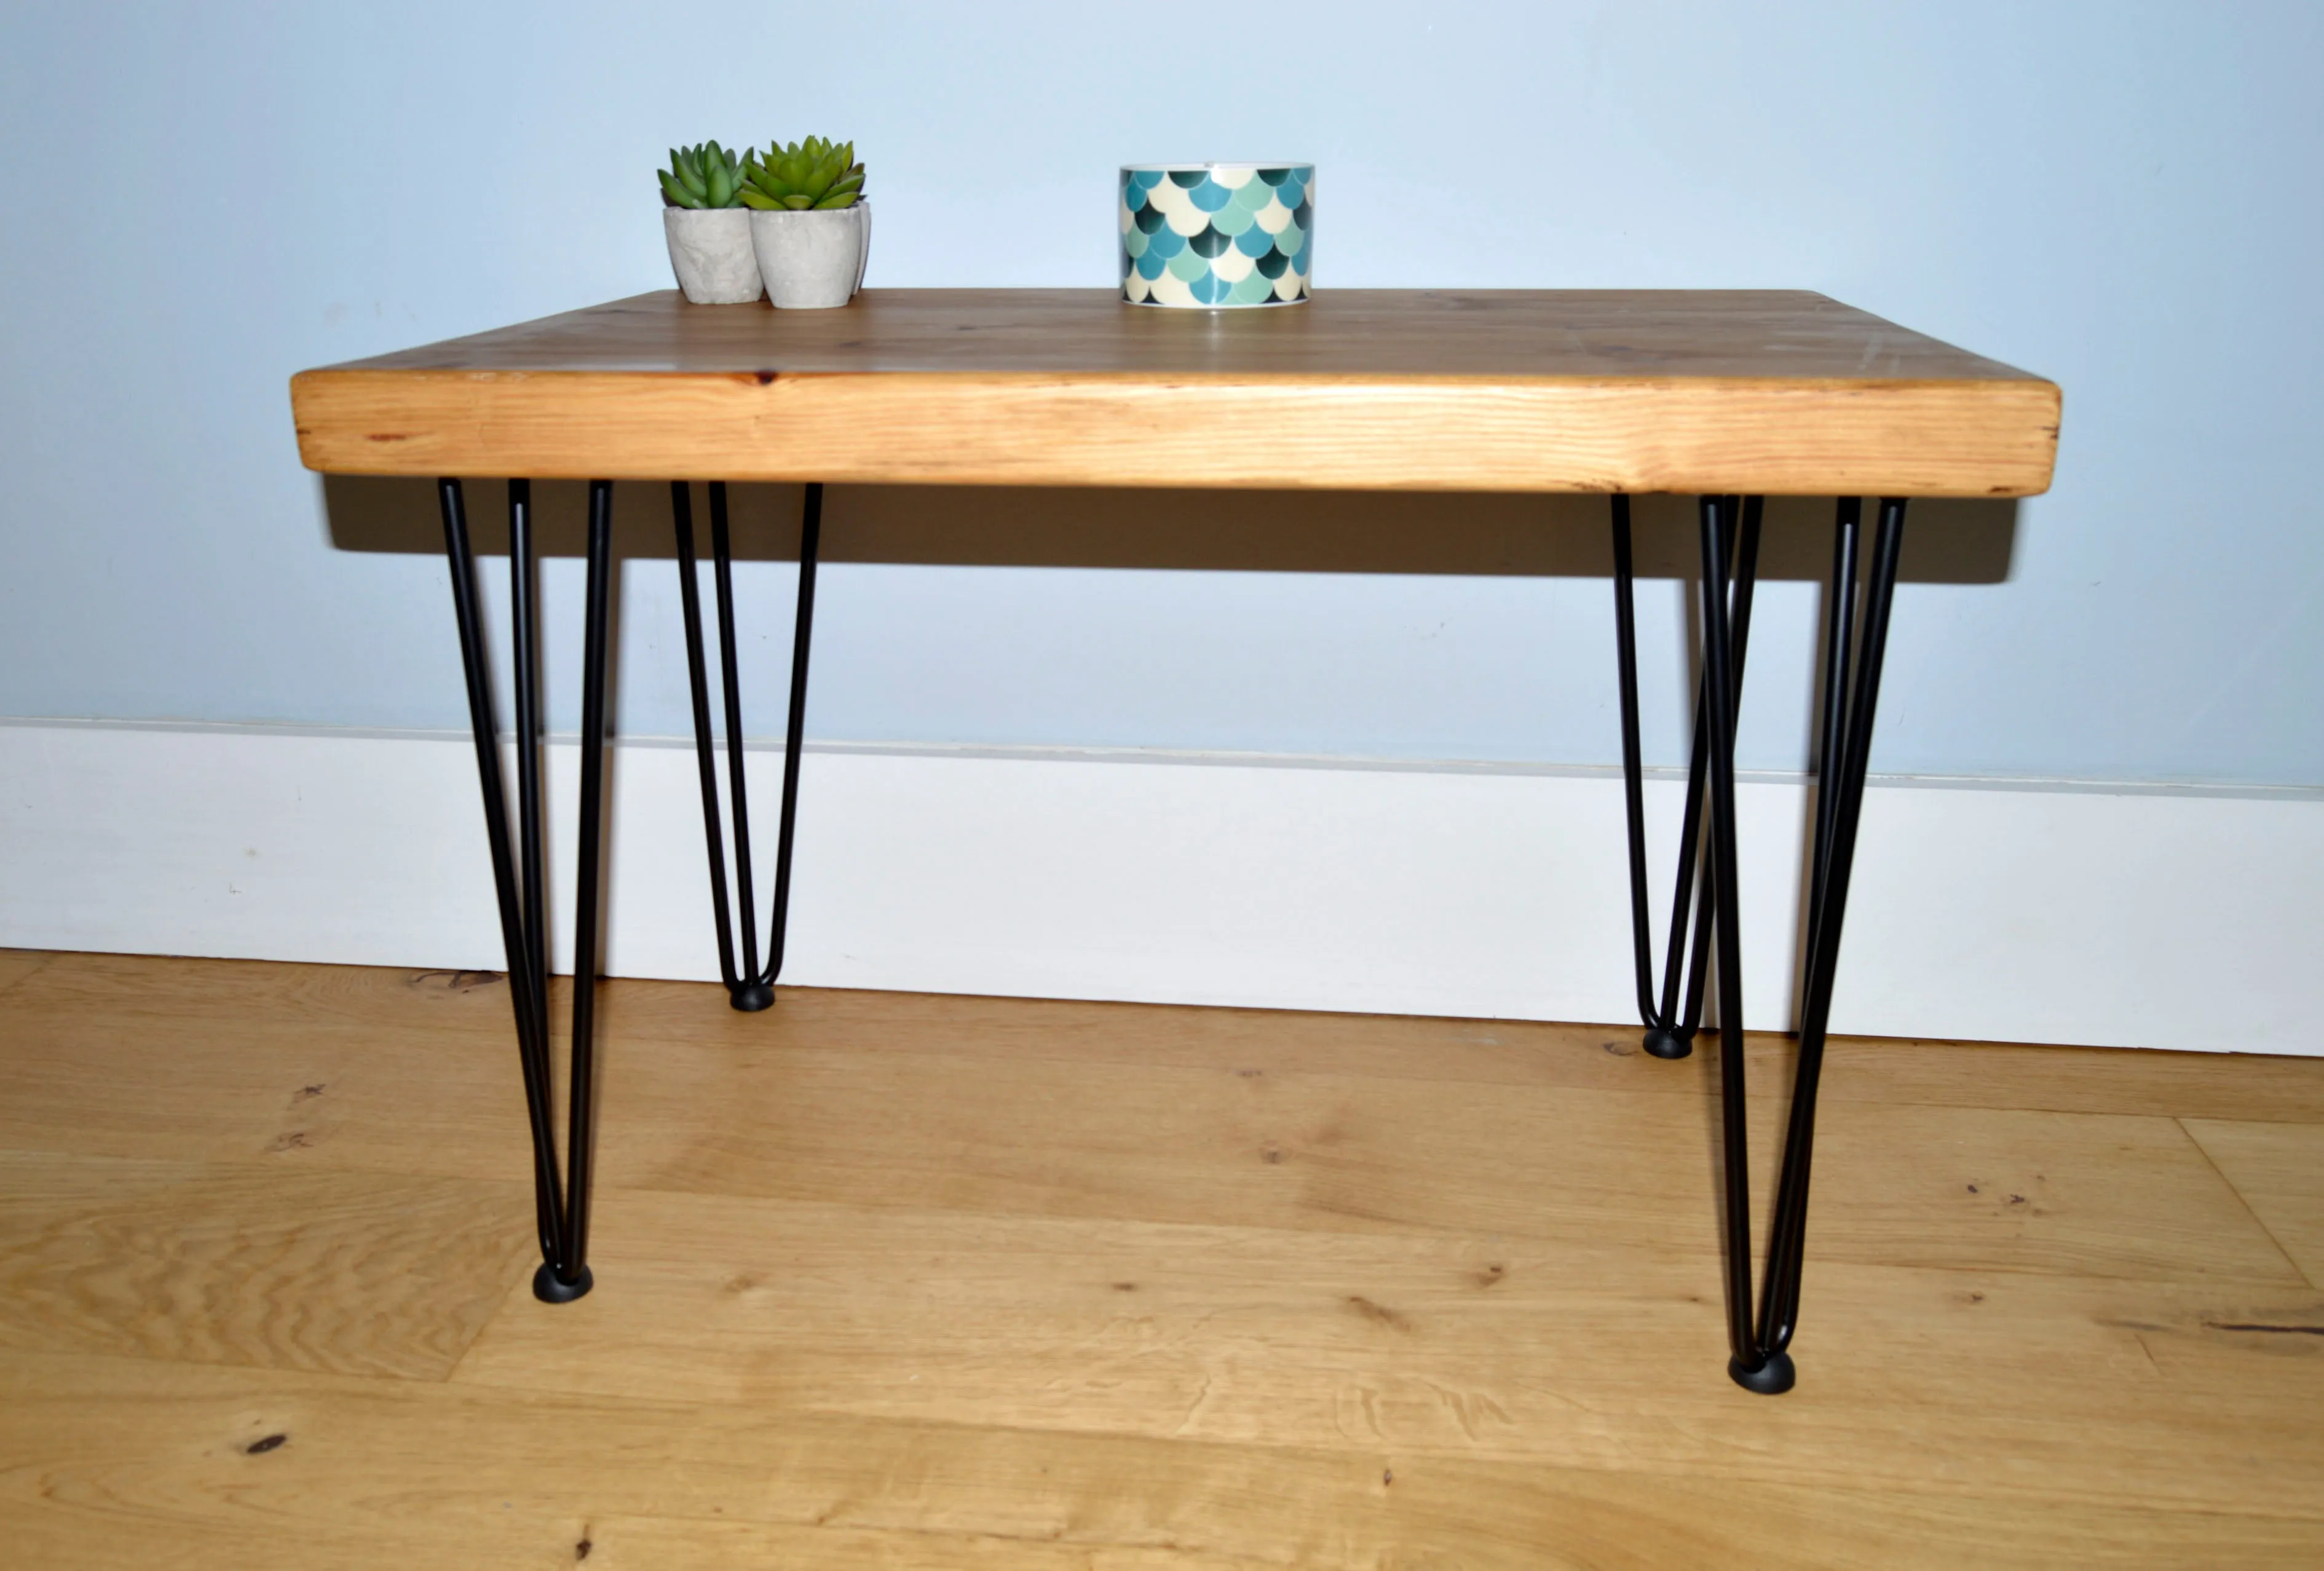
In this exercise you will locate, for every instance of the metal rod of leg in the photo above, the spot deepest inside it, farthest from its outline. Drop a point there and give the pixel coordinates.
(1743, 557)
(795, 728)
(523, 982)
(1779, 1315)
(1663, 1040)
(525, 615)
(689, 592)
(755, 993)
(1669, 1033)
(569, 1278)
(1840, 631)
(1634, 798)
(1685, 962)
(532, 854)
(1747, 1364)
(750, 984)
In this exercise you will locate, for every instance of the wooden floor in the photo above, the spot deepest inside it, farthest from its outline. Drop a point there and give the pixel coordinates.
(902, 1281)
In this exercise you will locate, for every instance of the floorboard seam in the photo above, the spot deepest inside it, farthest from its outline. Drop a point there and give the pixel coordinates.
(2249, 1209)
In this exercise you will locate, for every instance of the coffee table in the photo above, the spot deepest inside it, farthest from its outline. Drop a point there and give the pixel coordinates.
(1730, 395)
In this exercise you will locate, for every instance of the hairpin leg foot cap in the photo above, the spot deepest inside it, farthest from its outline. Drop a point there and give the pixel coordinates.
(1771, 1379)
(549, 1289)
(754, 997)
(1667, 1045)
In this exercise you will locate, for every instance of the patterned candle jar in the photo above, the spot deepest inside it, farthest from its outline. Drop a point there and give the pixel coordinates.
(1214, 234)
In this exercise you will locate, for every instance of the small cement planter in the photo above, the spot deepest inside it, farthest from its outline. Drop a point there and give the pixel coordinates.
(813, 260)
(710, 251)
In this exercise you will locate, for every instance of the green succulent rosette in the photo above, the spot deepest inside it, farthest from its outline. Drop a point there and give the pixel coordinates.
(809, 175)
(702, 176)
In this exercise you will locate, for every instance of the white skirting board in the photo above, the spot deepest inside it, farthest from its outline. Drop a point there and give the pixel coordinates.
(2117, 915)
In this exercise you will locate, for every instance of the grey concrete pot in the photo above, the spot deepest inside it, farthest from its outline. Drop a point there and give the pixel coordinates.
(812, 261)
(711, 252)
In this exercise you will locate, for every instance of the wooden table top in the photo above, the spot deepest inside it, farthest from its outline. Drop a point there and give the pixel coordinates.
(1636, 390)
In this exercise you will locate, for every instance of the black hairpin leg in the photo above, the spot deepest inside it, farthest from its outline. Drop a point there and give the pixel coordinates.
(1748, 1365)
(1848, 705)
(749, 985)
(1671, 1031)
(562, 1213)
(1759, 1358)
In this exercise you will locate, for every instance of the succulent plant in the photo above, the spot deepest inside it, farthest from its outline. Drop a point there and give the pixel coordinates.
(814, 174)
(706, 176)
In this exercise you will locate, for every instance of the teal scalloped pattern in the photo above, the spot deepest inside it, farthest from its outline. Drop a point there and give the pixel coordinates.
(1209, 238)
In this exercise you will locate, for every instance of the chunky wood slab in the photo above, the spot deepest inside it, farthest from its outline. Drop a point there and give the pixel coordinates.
(1773, 392)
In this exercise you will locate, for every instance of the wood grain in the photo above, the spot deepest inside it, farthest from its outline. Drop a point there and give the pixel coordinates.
(1769, 392)
(16, 965)
(308, 1066)
(1363, 333)
(403, 1071)
(2014, 1190)
(104, 1464)
(359, 1273)
(902, 1281)
(2278, 1169)
(1457, 1342)
(1162, 1115)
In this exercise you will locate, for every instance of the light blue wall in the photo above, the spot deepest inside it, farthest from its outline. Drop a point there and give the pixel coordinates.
(202, 199)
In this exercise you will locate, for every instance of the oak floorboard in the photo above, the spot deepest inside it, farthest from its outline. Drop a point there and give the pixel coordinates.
(2278, 1170)
(417, 1069)
(1488, 1052)
(231, 1264)
(115, 1464)
(431, 1088)
(387, 1070)
(16, 965)
(1449, 1344)
(905, 1282)
(377, 1006)
(2083, 1194)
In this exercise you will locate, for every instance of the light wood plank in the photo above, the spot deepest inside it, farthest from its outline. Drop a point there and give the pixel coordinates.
(2014, 1191)
(1469, 1315)
(339, 1271)
(1768, 438)
(218, 1060)
(2279, 1171)
(863, 1115)
(446, 1038)
(413, 1071)
(1449, 1344)
(109, 1463)
(1484, 1052)
(1602, 1523)
(16, 965)
(1770, 391)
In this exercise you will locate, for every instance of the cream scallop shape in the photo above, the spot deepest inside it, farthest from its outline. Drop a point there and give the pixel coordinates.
(1232, 265)
(1234, 179)
(1274, 217)
(1170, 289)
(1170, 199)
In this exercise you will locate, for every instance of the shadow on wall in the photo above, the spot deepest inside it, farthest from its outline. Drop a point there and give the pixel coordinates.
(1283, 532)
